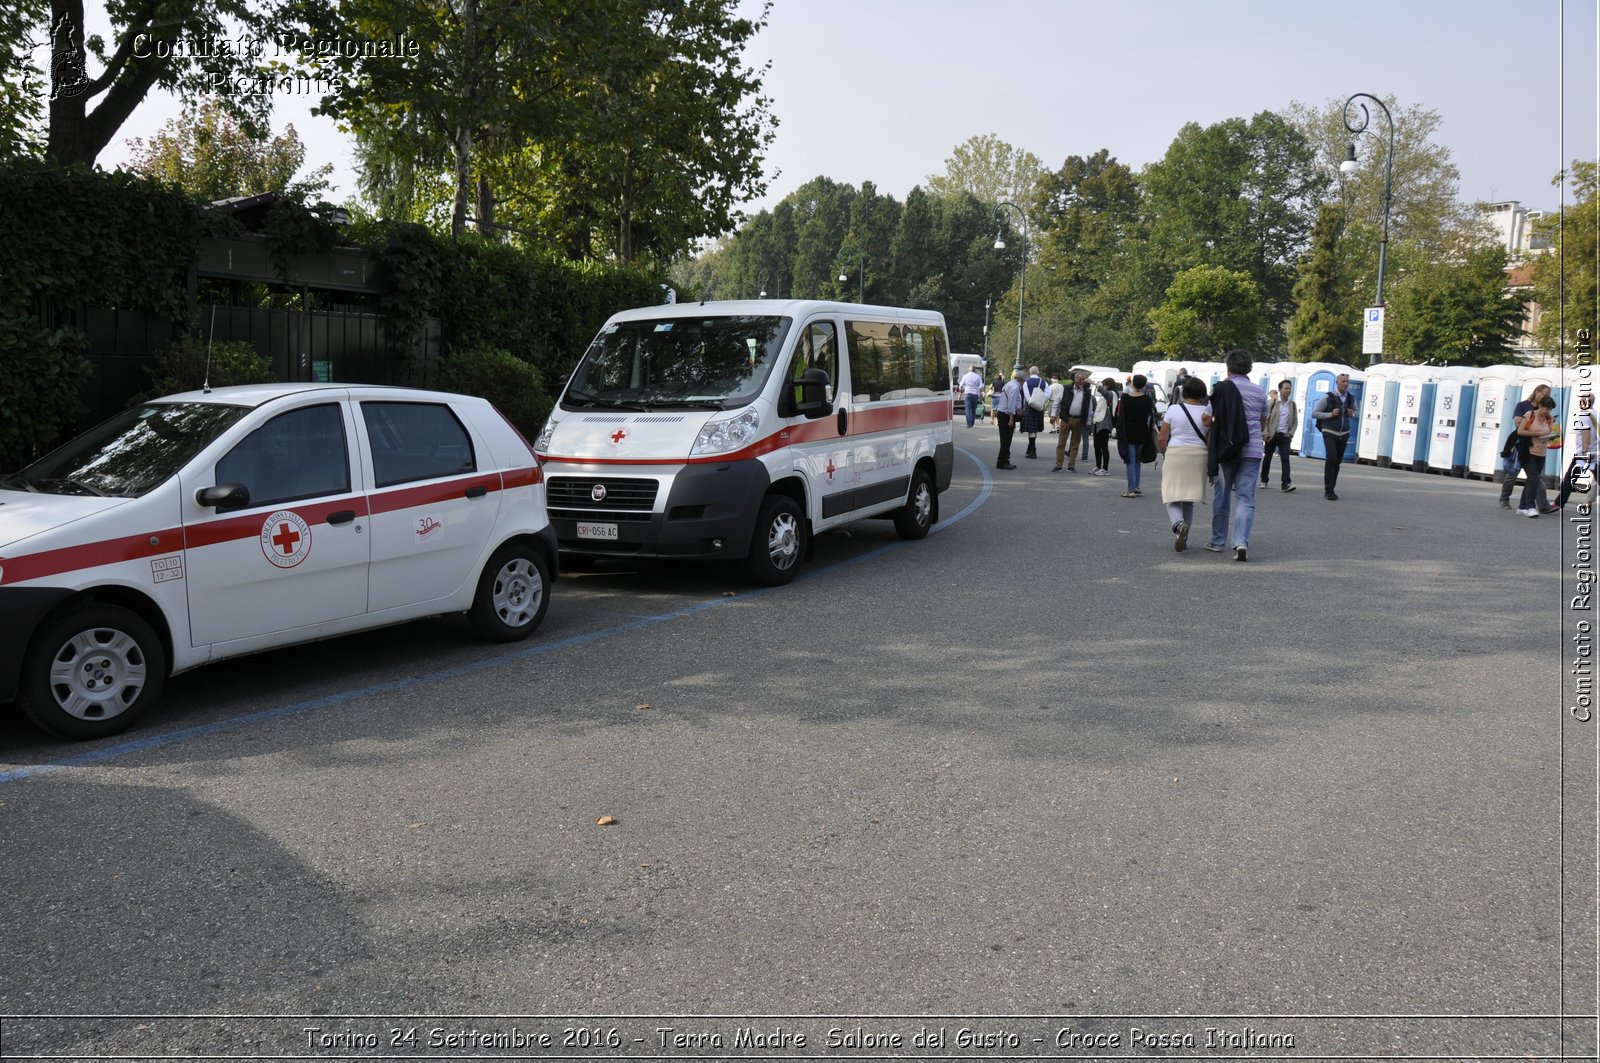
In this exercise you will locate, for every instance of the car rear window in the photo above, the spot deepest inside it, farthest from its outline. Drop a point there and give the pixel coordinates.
(416, 441)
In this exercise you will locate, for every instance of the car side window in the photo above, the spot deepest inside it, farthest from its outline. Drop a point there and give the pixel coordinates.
(300, 454)
(416, 441)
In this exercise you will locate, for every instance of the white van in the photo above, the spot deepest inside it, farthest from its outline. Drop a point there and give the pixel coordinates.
(740, 429)
(959, 364)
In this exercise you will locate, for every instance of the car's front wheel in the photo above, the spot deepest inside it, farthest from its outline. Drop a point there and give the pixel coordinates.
(513, 594)
(93, 671)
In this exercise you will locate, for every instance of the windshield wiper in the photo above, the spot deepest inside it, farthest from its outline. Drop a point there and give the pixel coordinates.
(18, 482)
(77, 485)
(689, 404)
(593, 401)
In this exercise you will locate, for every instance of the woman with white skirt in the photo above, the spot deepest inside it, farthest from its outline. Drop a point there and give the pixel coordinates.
(1183, 475)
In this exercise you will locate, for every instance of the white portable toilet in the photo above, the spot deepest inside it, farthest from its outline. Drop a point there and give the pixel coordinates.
(1454, 397)
(1491, 418)
(1413, 416)
(1376, 434)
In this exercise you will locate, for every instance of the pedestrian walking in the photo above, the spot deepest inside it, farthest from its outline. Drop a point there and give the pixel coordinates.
(1057, 389)
(1033, 410)
(1283, 417)
(1077, 409)
(1007, 411)
(1105, 409)
(1534, 432)
(1334, 414)
(972, 394)
(1136, 433)
(1182, 439)
(1233, 454)
(1511, 453)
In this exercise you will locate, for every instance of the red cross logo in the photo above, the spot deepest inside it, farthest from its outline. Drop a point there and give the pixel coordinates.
(831, 468)
(286, 538)
(618, 436)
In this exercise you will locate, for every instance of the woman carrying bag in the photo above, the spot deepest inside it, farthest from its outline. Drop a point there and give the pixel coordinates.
(1183, 440)
(1136, 416)
(1534, 432)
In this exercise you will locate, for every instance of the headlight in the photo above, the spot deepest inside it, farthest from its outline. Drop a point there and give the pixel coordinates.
(542, 444)
(730, 433)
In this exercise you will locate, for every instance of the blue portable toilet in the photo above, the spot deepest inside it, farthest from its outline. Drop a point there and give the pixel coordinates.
(1491, 418)
(1413, 417)
(1379, 398)
(1319, 381)
(1455, 395)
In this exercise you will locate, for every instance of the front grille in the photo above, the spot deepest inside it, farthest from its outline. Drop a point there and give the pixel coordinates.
(577, 492)
(611, 516)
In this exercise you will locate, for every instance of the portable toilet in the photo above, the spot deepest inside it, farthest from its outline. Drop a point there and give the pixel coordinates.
(1319, 381)
(1413, 416)
(1498, 386)
(1454, 397)
(1379, 398)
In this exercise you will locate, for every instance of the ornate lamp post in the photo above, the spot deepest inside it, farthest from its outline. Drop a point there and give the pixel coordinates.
(1022, 276)
(1349, 166)
(987, 303)
(861, 272)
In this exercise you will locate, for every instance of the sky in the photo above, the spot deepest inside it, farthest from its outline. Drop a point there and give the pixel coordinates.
(884, 90)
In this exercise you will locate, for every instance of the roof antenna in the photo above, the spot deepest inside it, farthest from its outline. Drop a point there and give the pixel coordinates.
(205, 384)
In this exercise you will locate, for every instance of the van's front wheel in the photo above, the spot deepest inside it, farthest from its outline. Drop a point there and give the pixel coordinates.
(778, 543)
(913, 520)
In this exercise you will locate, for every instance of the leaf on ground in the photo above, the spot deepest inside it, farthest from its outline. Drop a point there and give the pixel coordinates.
(643, 706)
(606, 821)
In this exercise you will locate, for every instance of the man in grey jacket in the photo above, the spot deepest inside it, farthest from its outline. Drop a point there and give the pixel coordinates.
(1283, 417)
(1334, 415)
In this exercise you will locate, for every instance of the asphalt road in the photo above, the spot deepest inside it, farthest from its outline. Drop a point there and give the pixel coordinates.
(1038, 764)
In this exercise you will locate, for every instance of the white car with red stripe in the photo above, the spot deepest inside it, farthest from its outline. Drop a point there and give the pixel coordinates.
(222, 522)
(740, 429)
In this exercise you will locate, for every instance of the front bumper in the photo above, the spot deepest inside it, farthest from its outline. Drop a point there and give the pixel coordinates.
(709, 510)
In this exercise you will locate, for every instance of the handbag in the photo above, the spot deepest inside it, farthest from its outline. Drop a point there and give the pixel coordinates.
(1553, 441)
(1039, 398)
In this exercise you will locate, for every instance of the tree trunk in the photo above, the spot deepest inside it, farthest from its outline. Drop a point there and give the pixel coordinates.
(463, 134)
(75, 133)
(486, 208)
(463, 149)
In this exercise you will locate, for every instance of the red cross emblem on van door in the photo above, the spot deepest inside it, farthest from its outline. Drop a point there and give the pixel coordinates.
(830, 470)
(619, 437)
(286, 538)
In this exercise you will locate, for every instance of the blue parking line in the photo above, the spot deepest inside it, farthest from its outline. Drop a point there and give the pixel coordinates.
(140, 745)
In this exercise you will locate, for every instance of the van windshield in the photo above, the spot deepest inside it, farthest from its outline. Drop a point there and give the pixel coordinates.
(711, 362)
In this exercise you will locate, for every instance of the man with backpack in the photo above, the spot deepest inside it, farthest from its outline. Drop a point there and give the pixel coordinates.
(1333, 415)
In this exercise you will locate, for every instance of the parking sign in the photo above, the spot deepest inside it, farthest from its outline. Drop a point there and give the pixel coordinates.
(1372, 331)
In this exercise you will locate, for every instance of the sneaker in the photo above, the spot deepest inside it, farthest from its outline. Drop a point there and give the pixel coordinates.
(1181, 531)
(1238, 553)
(1505, 503)
(1288, 487)
(1055, 468)
(1551, 508)
(1266, 483)
(1330, 496)
(1070, 468)
(1214, 549)
(1527, 512)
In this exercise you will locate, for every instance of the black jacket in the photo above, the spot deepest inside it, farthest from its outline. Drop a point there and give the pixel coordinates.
(1229, 434)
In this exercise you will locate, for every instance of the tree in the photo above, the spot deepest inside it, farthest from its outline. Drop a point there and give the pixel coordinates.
(209, 155)
(191, 47)
(1323, 328)
(1564, 282)
(1238, 195)
(22, 79)
(1208, 311)
(1456, 308)
(990, 169)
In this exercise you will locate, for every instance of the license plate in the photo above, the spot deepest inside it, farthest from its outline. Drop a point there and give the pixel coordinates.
(597, 531)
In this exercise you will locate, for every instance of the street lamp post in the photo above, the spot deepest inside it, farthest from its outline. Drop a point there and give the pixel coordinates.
(987, 303)
(761, 283)
(1022, 275)
(1349, 166)
(861, 272)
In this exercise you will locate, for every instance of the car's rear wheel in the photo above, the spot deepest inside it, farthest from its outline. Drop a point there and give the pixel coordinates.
(513, 594)
(778, 543)
(92, 672)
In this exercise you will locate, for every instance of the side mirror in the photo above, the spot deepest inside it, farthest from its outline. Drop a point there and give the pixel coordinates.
(813, 387)
(224, 496)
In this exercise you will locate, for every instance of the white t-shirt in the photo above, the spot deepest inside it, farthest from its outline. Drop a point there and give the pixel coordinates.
(1183, 433)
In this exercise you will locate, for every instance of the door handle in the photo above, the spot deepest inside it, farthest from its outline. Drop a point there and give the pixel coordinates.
(344, 516)
(477, 492)
(844, 421)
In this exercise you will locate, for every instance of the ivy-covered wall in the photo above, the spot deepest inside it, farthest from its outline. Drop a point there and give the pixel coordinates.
(79, 238)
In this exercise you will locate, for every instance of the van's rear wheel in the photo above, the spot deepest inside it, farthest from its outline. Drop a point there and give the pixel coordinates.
(778, 543)
(913, 520)
(93, 672)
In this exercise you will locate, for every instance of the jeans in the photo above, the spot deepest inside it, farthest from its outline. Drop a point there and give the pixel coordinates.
(1134, 465)
(1534, 488)
(1513, 465)
(1278, 444)
(1236, 491)
(1333, 456)
(972, 409)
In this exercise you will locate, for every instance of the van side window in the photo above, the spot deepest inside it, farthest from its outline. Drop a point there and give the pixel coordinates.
(817, 348)
(299, 454)
(895, 361)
